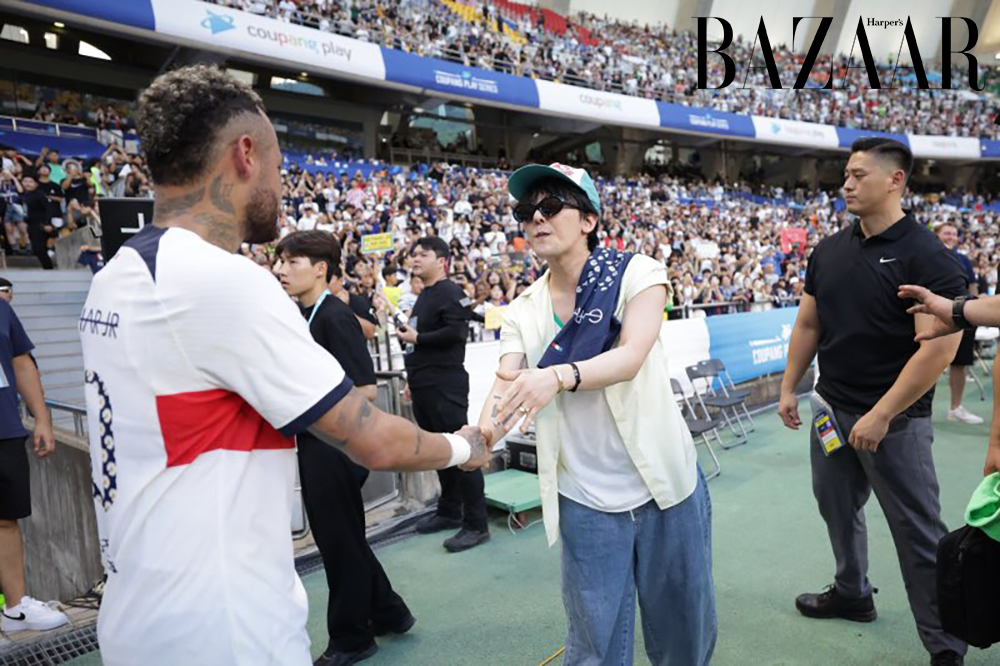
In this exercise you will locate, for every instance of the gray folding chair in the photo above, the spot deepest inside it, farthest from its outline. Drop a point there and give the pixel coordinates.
(701, 429)
(726, 400)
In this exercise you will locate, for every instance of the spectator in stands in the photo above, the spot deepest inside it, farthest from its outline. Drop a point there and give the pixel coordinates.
(619, 479)
(19, 376)
(38, 215)
(12, 212)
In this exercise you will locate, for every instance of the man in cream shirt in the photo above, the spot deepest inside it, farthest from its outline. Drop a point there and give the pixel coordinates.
(620, 483)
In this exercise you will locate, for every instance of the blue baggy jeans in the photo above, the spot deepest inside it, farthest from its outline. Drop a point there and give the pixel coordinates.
(663, 555)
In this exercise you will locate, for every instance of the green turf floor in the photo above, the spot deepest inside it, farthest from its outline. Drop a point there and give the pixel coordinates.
(500, 603)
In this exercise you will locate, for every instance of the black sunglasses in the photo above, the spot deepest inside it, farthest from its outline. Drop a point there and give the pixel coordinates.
(548, 207)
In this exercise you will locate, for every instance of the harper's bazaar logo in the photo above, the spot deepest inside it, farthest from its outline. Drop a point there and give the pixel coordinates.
(860, 51)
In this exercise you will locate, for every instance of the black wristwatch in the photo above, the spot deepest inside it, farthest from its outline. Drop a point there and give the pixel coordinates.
(958, 313)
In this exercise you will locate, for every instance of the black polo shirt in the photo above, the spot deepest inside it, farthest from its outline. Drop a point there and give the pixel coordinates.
(866, 336)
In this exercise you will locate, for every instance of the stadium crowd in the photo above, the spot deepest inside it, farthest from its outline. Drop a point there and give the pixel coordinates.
(653, 62)
(44, 196)
(723, 243)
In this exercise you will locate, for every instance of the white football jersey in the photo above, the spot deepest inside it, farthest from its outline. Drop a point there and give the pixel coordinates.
(199, 373)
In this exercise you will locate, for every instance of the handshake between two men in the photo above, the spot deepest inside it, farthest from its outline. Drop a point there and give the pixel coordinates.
(383, 442)
(380, 441)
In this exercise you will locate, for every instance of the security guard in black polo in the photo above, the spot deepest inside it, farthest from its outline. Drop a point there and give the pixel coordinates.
(877, 384)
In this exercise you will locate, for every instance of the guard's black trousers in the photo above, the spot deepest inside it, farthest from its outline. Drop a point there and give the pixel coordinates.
(360, 592)
(462, 493)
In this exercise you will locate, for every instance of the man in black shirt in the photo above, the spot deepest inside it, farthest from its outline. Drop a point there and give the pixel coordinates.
(434, 346)
(37, 215)
(362, 603)
(53, 191)
(878, 383)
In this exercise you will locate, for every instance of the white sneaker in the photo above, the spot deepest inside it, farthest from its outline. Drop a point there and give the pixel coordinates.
(31, 614)
(960, 413)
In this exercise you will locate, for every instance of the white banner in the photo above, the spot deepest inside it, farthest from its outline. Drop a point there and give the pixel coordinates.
(795, 132)
(944, 146)
(596, 105)
(223, 27)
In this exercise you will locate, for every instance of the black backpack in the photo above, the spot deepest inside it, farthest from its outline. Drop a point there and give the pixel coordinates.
(968, 582)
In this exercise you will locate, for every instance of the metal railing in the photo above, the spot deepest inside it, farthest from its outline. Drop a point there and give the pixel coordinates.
(690, 310)
(65, 130)
(47, 128)
(411, 156)
(78, 414)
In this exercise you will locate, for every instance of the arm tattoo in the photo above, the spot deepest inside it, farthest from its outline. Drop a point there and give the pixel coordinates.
(478, 444)
(364, 411)
(349, 421)
(219, 193)
(164, 209)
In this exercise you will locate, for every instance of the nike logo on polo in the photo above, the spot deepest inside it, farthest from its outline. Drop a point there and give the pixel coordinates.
(883, 260)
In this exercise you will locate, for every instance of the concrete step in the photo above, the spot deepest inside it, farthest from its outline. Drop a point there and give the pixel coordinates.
(50, 349)
(71, 393)
(48, 298)
(49, 322)
(27, 311)
(57, 377)
(60, 362)
(21, 276)
(23, 262)
(44, 336)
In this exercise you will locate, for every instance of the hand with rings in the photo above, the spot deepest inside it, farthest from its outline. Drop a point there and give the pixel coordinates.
(530, 392)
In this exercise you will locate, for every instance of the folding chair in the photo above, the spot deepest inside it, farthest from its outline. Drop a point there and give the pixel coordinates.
(699, 428)
(726, 400)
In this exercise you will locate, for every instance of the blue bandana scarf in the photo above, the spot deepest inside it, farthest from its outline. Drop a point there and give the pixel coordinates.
(592, 329)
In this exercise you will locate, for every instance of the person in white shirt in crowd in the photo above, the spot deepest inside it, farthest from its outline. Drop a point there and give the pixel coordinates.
(199, 371)
(581, 360)
(496, 239)
(309, 218)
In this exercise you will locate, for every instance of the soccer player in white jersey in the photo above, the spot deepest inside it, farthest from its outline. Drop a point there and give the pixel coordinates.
(199, 373)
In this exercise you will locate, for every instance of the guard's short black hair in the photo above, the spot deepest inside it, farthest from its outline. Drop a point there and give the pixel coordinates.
(434, 244)
(574, 195)
(180, 114)
(314, 245)
(4, 282)
(886, 149)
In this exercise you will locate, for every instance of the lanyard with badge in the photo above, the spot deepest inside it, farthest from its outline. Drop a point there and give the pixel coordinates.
(316, 307)
(825, 424)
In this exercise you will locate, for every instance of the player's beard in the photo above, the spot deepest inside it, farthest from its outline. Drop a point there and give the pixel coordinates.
(260, 221)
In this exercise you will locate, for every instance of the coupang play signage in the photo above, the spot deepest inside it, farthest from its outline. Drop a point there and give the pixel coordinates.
(860, 46)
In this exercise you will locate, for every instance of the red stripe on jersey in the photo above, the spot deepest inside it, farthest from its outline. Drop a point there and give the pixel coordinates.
(202, 421)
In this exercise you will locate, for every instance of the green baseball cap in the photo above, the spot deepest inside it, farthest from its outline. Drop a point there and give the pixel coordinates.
(522, 180)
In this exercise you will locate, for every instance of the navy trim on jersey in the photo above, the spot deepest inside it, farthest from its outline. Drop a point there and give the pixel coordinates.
(314, 413)
(147, 244)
